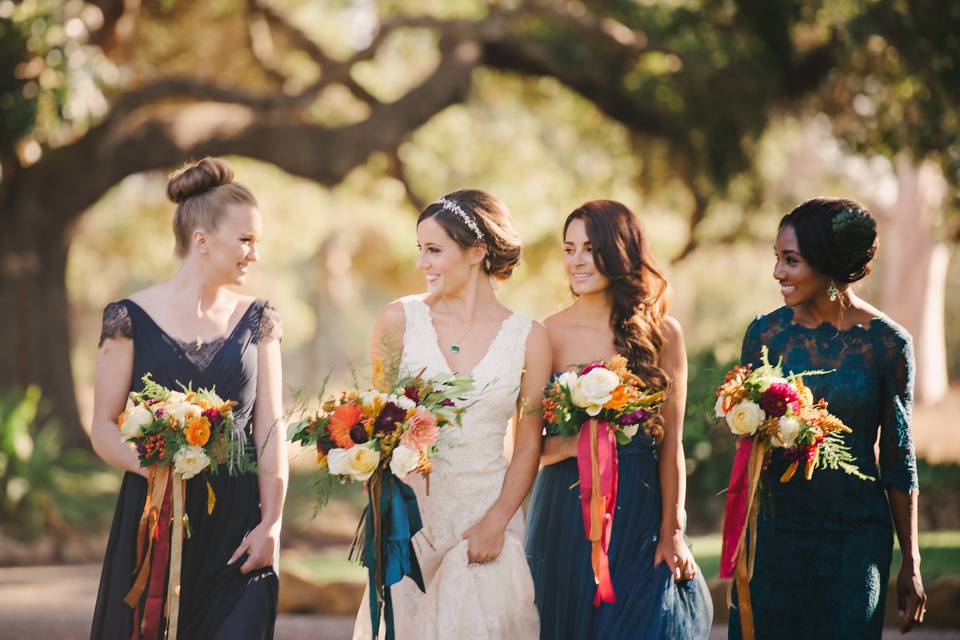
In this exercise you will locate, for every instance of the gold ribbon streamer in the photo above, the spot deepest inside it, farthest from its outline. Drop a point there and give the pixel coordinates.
(744, 567)
(176, 557)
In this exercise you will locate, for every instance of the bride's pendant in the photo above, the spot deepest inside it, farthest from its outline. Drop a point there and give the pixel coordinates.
(455, 348)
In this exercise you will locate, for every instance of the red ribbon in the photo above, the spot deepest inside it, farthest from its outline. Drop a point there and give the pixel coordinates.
(597, 466)
(735, 514)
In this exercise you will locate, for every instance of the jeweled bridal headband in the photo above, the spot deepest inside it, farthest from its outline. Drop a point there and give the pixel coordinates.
(468, 220)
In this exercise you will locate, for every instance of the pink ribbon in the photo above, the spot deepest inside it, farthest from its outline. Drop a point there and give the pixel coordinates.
(735, 514)
(597, 466)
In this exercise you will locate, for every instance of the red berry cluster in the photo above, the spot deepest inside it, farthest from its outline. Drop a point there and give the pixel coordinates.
(155, 447)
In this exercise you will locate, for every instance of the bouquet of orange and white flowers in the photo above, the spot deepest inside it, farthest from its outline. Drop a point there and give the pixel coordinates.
(770, 410)
(779, 411)
(606, 392)
(379, 436)
(359, 432)
(177, 434)
(603, 405)
(191, 430)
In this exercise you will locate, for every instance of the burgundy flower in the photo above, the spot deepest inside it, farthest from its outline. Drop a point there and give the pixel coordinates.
(777, 398)
(358, 434)
(141, 448)
(412, 392)
(590, 367)
(637, 417)
(448, 403)
(389, 416)
(159, 413)
(213, 415)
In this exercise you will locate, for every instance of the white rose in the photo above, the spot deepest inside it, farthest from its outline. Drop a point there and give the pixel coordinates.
(718, 408)
(593, 390)
(190, 461)
(631, 430)
(185, 411)
(789, 430)
(175, 397)
(567, 379)
(337, 462)
(403, 461)
(135, 421)
(744, 418)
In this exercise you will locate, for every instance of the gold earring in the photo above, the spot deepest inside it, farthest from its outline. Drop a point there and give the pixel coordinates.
(832, 292)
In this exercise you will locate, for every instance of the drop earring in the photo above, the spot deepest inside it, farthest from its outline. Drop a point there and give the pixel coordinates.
(832, 292)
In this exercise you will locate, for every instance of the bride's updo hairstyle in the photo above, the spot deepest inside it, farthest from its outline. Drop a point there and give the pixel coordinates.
(203, 192)
(638, 289)
(473, 217)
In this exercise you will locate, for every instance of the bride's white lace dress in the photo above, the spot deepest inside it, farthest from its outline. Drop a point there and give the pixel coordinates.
(465, 601)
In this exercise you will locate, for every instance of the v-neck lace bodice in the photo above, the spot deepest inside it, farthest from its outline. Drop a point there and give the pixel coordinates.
(463, 600)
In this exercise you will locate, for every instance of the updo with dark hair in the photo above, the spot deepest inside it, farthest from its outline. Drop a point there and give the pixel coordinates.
(837, 236)
(473, 217)
(203, 191)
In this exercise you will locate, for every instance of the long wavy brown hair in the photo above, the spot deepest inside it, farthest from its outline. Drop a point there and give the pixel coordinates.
(637, 287)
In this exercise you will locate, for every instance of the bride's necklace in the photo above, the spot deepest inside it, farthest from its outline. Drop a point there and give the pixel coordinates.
(455, 347)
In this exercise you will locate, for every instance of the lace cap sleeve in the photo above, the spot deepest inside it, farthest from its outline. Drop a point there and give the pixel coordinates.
(898, 460)
(270, 327)
(116, 322)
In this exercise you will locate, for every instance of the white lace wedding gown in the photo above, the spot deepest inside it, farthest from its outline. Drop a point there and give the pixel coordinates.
(465, 601)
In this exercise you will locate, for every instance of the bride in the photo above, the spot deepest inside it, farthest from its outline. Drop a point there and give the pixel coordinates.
(470, 549)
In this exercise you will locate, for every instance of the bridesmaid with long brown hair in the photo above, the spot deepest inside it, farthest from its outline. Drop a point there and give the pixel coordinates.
(620, 308)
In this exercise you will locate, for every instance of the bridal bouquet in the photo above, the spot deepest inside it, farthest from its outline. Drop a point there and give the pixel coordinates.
(604, 404)
(177, 434)
(770, 410)
(379, 436)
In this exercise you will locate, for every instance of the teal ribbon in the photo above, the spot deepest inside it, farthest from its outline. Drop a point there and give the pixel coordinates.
(400, 521)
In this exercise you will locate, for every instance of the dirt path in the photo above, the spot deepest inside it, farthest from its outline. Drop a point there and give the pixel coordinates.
(55, 603)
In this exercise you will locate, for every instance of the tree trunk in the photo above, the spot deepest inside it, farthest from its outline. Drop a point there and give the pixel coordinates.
(34, 325)
(914, 270)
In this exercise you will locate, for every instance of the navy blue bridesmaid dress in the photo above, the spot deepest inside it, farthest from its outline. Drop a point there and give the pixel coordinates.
(649, 604)
(216, 601)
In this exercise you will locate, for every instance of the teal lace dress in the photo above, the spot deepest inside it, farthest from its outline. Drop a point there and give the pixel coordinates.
(824, 545)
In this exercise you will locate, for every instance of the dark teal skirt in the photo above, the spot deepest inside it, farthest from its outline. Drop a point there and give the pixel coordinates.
(649, 603)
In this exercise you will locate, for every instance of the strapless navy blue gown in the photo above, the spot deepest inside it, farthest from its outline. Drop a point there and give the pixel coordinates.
(650, 605)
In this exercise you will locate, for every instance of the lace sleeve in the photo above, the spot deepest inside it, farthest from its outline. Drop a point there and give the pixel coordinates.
(898, 460)
(270, 327)
(750, 350)
(116, 322)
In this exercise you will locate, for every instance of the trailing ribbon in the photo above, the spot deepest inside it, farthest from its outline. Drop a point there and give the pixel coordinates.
(391, 520)
(158, 565)
(740, 520)
(597, 466)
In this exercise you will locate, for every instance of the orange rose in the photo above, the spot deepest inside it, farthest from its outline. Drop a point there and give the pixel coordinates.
(198, 431)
